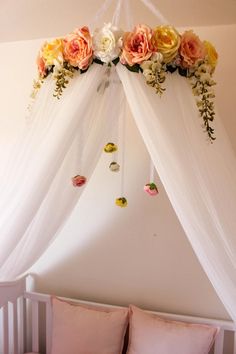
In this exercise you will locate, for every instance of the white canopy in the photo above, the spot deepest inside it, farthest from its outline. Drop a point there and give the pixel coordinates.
(67, 135)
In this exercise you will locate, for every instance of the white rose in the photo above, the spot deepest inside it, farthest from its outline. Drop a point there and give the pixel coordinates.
(107, 42)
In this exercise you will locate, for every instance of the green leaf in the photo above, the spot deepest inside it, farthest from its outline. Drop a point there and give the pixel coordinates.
(116, 61)
(134, 68)
(182, 71)
(84, 71)
(171, 68)
(98, 61)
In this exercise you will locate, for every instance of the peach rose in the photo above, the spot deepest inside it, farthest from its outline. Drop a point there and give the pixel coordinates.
(167, 40)
(41, 66)
(191, 49)
(137, 45)
(77, 48)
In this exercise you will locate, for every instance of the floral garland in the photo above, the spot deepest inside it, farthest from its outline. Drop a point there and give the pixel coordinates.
(154, 52)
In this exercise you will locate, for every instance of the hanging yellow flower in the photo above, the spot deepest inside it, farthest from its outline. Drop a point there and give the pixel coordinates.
(121, 202)
(110, 147)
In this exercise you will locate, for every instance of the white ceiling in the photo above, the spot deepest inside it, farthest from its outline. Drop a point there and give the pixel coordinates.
(29, 19)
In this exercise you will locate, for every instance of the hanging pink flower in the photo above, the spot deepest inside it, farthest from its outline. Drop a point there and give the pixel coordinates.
(151, 189)
(191, 49)
(77, 48)
(137, 45)
(78, 181)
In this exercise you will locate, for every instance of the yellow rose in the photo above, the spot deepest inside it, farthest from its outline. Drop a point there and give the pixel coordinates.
(212, 55)
(52, 51)
(167, 41)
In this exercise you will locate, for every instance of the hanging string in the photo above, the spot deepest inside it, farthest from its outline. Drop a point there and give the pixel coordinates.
(128, 17)
(155, 11)
(112, 122)
(150, 187)
(152, 171)
(123, 133)
(79, 179)
(110, 83)
(122, 201)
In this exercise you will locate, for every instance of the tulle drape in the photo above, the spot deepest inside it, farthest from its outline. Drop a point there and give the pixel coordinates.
(199, 177)
(63, 138)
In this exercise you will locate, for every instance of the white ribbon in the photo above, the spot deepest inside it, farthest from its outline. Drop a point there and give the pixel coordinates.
(116, 15)
(152, 171)
(155, 11)
(100, 13)
(128, 17)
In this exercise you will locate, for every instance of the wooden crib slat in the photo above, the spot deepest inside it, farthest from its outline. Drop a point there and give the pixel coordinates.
(15, 328)
(219, 343)
(5, 329)
(35, 326)
(21, 307)
(48, 326)
(234, 348)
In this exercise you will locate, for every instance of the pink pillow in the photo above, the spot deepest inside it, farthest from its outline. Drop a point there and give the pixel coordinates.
(151, 334)
(80, 330)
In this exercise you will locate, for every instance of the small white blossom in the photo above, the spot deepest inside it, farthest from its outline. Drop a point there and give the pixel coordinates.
(157, 57)
(205, 77)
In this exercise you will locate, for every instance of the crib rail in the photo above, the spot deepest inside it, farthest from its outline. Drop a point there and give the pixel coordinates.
(12, 326)
(21, 320)
(37, 298)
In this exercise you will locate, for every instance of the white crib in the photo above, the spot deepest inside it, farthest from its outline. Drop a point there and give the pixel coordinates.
(21, 319)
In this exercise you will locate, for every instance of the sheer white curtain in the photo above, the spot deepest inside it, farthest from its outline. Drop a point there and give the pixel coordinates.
(198, 177)
(64, 138)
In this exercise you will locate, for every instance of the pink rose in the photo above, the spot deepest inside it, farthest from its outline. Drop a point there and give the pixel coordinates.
(41, 65)
(77, 48)
(137, 45)
(151, 189)
(191, 49)
(78, 181)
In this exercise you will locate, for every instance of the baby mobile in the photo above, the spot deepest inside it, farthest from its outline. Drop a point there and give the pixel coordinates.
(112, 148)
(118, 154)
(152, 52)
